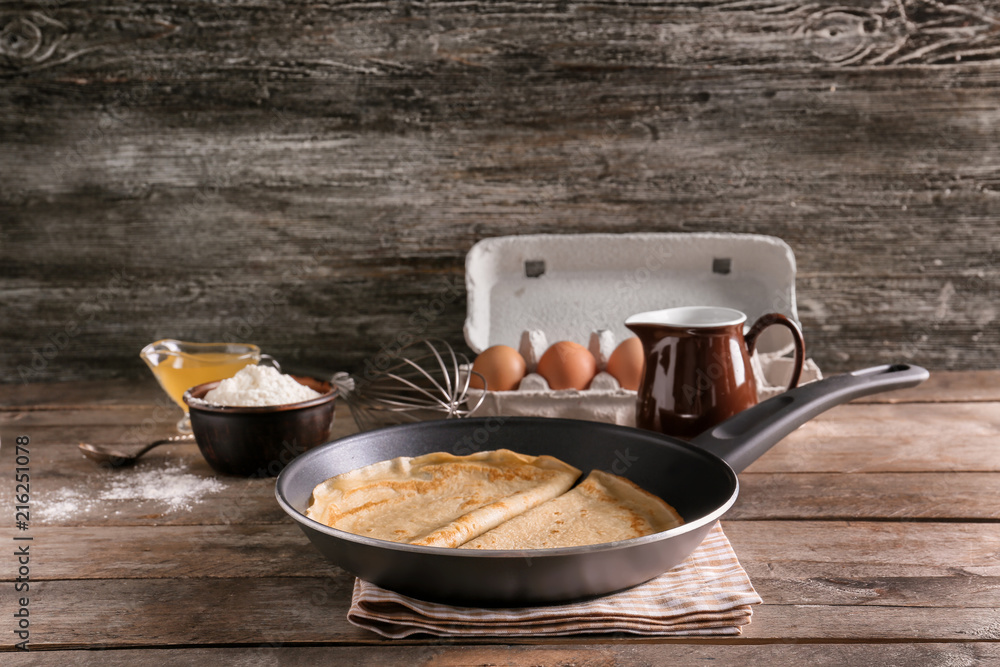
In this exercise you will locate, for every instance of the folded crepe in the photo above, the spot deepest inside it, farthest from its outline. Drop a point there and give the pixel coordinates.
(439, 499)
(602, 508)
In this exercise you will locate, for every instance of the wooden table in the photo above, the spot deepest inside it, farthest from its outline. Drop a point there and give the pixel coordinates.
(872, 534)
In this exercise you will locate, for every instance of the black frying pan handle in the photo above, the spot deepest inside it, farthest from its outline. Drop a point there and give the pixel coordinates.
(743, 438)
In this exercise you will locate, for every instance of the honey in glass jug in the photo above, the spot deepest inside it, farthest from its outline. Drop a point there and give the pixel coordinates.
(178, 366)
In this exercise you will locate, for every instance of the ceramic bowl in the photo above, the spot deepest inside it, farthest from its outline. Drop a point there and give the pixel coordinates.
(259, 441)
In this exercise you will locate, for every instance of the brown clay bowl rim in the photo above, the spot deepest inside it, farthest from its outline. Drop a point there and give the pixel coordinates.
(198, 391)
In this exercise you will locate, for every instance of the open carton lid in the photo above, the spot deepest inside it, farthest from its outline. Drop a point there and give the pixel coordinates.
(569, 286)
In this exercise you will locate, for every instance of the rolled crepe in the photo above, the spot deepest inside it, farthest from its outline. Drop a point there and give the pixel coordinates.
(438, 499)
(602, 508)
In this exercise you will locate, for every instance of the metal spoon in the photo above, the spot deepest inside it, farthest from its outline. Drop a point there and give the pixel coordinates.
(117, 458)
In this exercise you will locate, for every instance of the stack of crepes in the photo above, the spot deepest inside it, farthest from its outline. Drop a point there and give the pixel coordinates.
(504, 500)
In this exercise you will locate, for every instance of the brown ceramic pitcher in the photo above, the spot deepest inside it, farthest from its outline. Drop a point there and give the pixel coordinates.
(698, 370)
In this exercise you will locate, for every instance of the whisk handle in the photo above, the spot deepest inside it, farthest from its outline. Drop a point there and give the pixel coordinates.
(343, 382)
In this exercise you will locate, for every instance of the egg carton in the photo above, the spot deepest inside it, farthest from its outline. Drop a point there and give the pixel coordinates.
(533, 290)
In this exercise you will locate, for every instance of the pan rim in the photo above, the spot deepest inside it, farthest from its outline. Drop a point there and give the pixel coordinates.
(311, 524)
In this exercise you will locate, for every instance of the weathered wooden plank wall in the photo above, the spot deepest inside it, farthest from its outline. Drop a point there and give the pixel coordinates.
(310, 176)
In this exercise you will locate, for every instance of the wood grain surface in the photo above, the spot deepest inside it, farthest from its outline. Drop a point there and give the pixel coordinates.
(871, 533)
(557, 656)
(310, 177)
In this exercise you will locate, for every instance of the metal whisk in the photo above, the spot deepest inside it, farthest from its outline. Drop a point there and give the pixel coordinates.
(424, 380)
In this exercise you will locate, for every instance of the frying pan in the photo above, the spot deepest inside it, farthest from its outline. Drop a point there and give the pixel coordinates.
(697, 478)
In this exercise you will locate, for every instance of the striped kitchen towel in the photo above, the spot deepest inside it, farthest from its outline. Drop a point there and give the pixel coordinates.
(708, 594)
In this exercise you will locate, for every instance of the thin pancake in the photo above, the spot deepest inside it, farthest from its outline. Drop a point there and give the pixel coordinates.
(602, 508)
(438, 499)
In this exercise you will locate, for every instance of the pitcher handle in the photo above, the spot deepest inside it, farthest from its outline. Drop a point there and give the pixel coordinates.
(763, 322)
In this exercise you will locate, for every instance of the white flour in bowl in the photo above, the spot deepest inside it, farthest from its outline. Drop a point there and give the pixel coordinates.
(258, 386)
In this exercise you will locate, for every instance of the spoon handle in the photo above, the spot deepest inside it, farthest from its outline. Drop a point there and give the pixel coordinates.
(183, 437)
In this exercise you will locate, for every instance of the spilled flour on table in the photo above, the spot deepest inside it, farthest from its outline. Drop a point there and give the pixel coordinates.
(171, 488)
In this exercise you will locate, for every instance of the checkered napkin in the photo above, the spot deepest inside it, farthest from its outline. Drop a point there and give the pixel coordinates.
(707, 594)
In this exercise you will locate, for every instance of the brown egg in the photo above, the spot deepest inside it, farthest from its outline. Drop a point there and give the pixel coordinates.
(502, 367)
(567, 365)
(626, 363)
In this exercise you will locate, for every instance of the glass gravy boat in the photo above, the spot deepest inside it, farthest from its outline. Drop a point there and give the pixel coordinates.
(179, 365)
